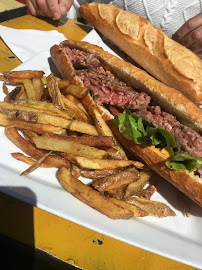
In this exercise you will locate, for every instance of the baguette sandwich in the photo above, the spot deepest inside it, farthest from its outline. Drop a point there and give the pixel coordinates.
(166, 60)
(158, 124)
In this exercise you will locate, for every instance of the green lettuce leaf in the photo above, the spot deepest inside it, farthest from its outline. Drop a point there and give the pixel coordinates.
(133, 128)
(180, 161)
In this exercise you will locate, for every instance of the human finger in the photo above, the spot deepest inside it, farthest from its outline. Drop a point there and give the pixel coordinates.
(34, 8)
(192, 37)
(196, 47)
(65, 6)
(54, 9)
(31, 5)
(187, 27)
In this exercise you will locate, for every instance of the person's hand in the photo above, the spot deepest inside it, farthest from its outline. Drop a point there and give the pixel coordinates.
(49, 8)
(190, 34)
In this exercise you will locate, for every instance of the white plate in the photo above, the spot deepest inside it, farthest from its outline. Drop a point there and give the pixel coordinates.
(178, 238)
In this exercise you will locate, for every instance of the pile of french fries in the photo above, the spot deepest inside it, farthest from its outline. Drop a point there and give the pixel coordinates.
(45, 117)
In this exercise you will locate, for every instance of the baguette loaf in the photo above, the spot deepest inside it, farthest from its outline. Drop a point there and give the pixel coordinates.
(162, 57)
(170, 100)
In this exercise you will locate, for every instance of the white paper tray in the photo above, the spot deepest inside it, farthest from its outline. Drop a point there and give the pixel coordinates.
(178, 238)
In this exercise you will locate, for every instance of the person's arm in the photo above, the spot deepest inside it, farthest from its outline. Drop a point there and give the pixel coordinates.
(190, 34)
(49, 8)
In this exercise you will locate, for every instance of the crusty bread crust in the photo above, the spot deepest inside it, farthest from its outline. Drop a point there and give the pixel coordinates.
(186, 182)
(165, 59)
(169, 97)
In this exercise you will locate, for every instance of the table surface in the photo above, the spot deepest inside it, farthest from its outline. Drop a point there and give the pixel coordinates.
(9, 5)
(68, 241)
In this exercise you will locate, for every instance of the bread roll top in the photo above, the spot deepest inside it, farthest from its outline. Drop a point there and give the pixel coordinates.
(167, 60)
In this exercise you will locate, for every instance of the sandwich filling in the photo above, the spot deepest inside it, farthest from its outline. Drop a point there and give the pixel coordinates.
(107, 89)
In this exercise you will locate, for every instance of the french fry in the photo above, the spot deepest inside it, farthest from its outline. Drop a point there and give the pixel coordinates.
(62, 83)
(29, 149)
(94, 141)
(36, 127)
(116, 180)
(26, 113)
(38, 88)
(54, 91)
(98, 174)
(29, 160)
(117, 193)
(45, 106)
(79, 105)
(77, 102)
(29, 89)
(77, 91)
(104, 130)
(36, 164)
(83, 127)
(153, 208)
(106, 164)
(28, 134)
(137, 211)
(138, 185)
(75, 170)
(64, 144)
(19, 76)
(22, 95)
(79, 114)
(91, 197)
(16, 93)
(147, 192)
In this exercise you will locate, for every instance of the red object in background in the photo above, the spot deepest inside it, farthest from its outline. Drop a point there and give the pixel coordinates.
(23, 2)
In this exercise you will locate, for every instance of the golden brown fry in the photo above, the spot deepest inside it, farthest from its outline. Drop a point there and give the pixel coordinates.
(54, 91)
(22, 95)
(91, 197)
(117, 193)
(5, 88)
(77, 91)
(37, 164)
(137, 211)
(29, 160)
(70, 157)
(62, 83)
(106, 164)
(83, 127)
(65, 144)
(94, 141)
(29, 89)
(113, 153)
(104, 130)
(75, 170)
(77, 102)
(98, 174)
(19, 76)
(14, 94)
(153, 208)
(147, 192)
(36, 127)
(117, 179)
(38, 88)
(28, 134)
(30, 149)
(79, 114)
(2, 78)
(43, 106)
(138, 185)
